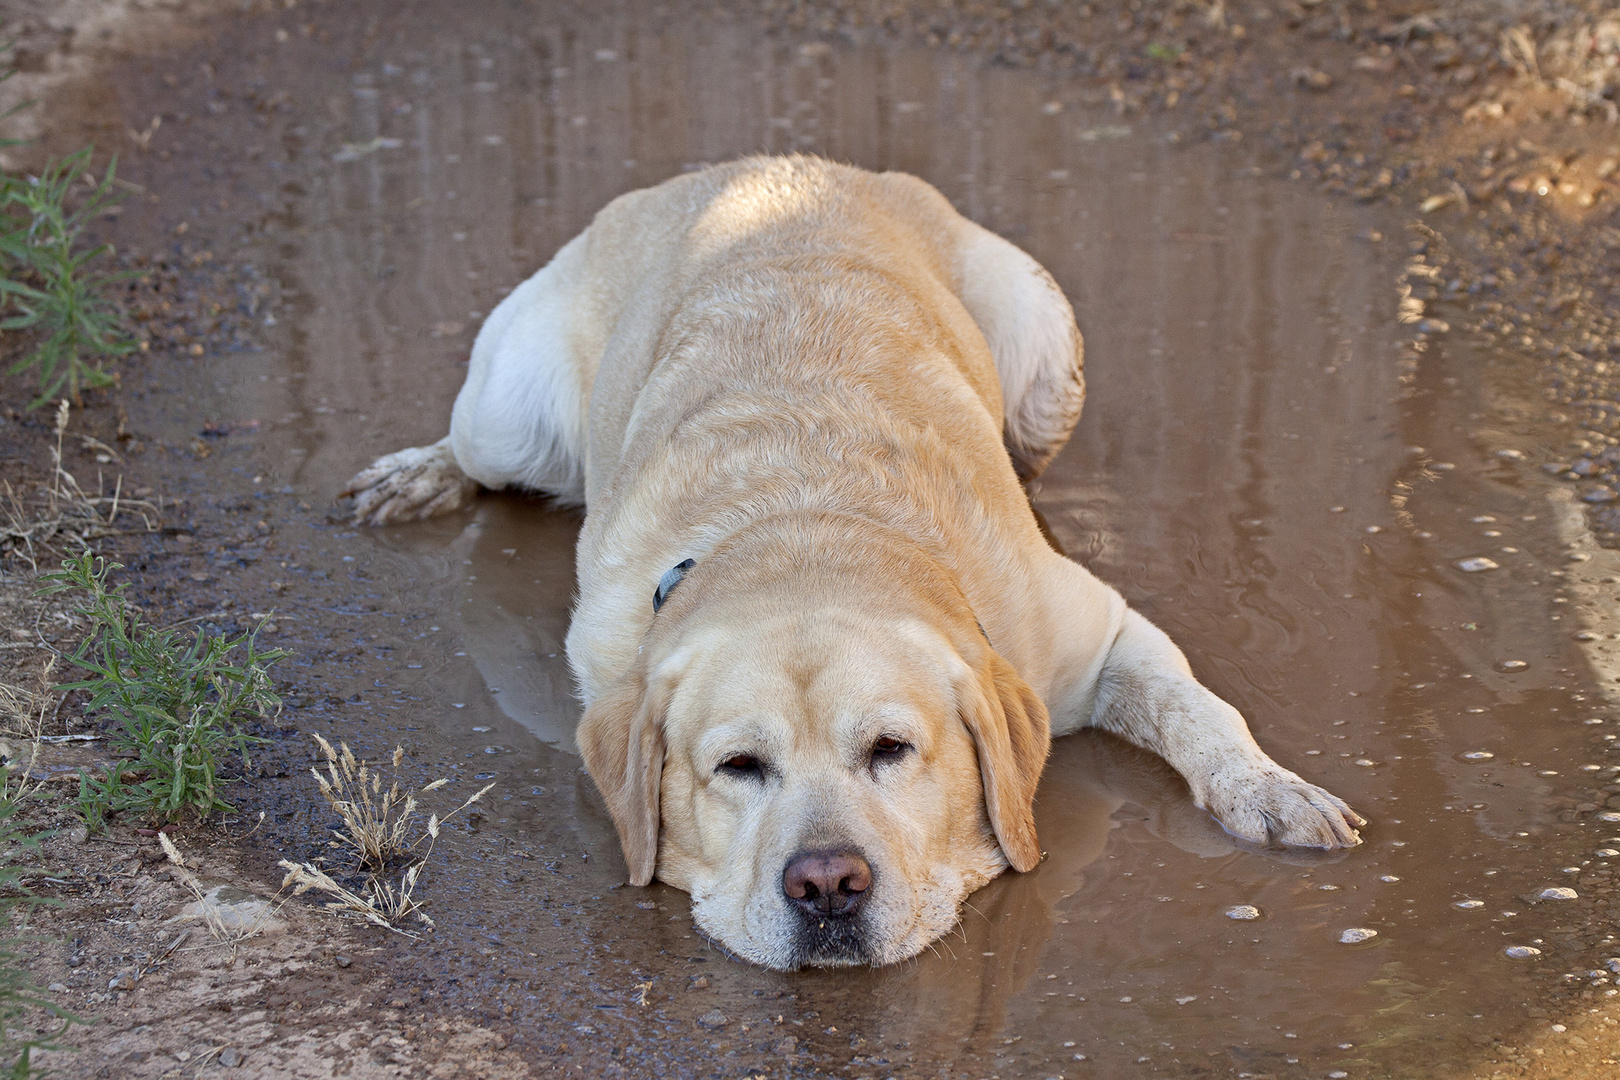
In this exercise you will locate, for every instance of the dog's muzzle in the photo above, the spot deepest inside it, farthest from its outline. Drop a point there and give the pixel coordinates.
(828, 890)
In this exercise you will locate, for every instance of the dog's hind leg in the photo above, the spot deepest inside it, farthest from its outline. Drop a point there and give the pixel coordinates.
(417, 482)
(519, 420)
(1030, 328)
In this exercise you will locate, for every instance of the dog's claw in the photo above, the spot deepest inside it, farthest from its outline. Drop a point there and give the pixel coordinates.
(1273, 807)
(411, 484)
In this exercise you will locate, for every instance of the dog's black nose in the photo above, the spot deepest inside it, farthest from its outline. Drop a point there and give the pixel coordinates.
(827, 883)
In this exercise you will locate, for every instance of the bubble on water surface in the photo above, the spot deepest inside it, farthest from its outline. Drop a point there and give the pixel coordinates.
(1355, 935)
(1242, 912)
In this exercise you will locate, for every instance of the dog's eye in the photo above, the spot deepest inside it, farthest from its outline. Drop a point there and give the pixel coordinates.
(888, 747)
(741, 765)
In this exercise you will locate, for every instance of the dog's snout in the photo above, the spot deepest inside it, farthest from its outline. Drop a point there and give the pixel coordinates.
(827, 883)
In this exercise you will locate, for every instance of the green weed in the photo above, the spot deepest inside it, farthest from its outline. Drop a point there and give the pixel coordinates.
(19, 996)
(50, 283)
(178, 703)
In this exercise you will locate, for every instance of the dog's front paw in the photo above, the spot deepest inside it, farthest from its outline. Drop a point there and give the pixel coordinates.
(415, 483)
(1267, 804)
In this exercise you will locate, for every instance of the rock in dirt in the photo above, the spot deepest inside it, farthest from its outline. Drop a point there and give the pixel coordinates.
(230, 1058)
(233, 910)
(712, 1020)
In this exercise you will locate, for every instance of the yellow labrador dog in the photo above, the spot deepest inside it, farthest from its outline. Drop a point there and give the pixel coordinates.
(821, 642)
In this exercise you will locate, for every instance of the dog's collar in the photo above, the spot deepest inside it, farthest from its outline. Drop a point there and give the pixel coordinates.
(675, 574)
(666, 584)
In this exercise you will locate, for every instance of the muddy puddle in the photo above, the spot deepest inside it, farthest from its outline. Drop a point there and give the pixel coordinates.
(1269, 466)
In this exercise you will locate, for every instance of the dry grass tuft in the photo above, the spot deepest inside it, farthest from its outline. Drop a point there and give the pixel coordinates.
(23, 716)
(377, 824)
(378, 827)
(61, 517)
(383, 904)
(1579, 57)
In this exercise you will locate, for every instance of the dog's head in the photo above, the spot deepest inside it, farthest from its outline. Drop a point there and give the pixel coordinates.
(829, 778)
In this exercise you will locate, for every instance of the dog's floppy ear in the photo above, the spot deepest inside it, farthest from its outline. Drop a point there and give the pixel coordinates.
(621, 737)
(1012, 734)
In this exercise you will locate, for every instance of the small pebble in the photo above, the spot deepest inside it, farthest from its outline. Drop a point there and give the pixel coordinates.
(1521, 952)
(1475, 565)
(229, 1057)
(1511, 665)
(1468, 905)
(1478, 755)
(1313, 79)
(1355, 935)
(57, 988)
(712, 1020)
(342, 961)
(1557, 893)
(1243, 912)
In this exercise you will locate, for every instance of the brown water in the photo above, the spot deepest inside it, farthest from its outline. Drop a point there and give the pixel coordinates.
(1267, 466)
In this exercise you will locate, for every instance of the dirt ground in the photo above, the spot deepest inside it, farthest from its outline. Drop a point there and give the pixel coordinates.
(1486, 128)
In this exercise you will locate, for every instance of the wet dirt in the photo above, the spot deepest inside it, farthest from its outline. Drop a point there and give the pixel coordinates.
(1271, 466)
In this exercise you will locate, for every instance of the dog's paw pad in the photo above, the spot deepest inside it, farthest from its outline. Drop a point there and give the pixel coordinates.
(415, 483)
(1274, 807)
